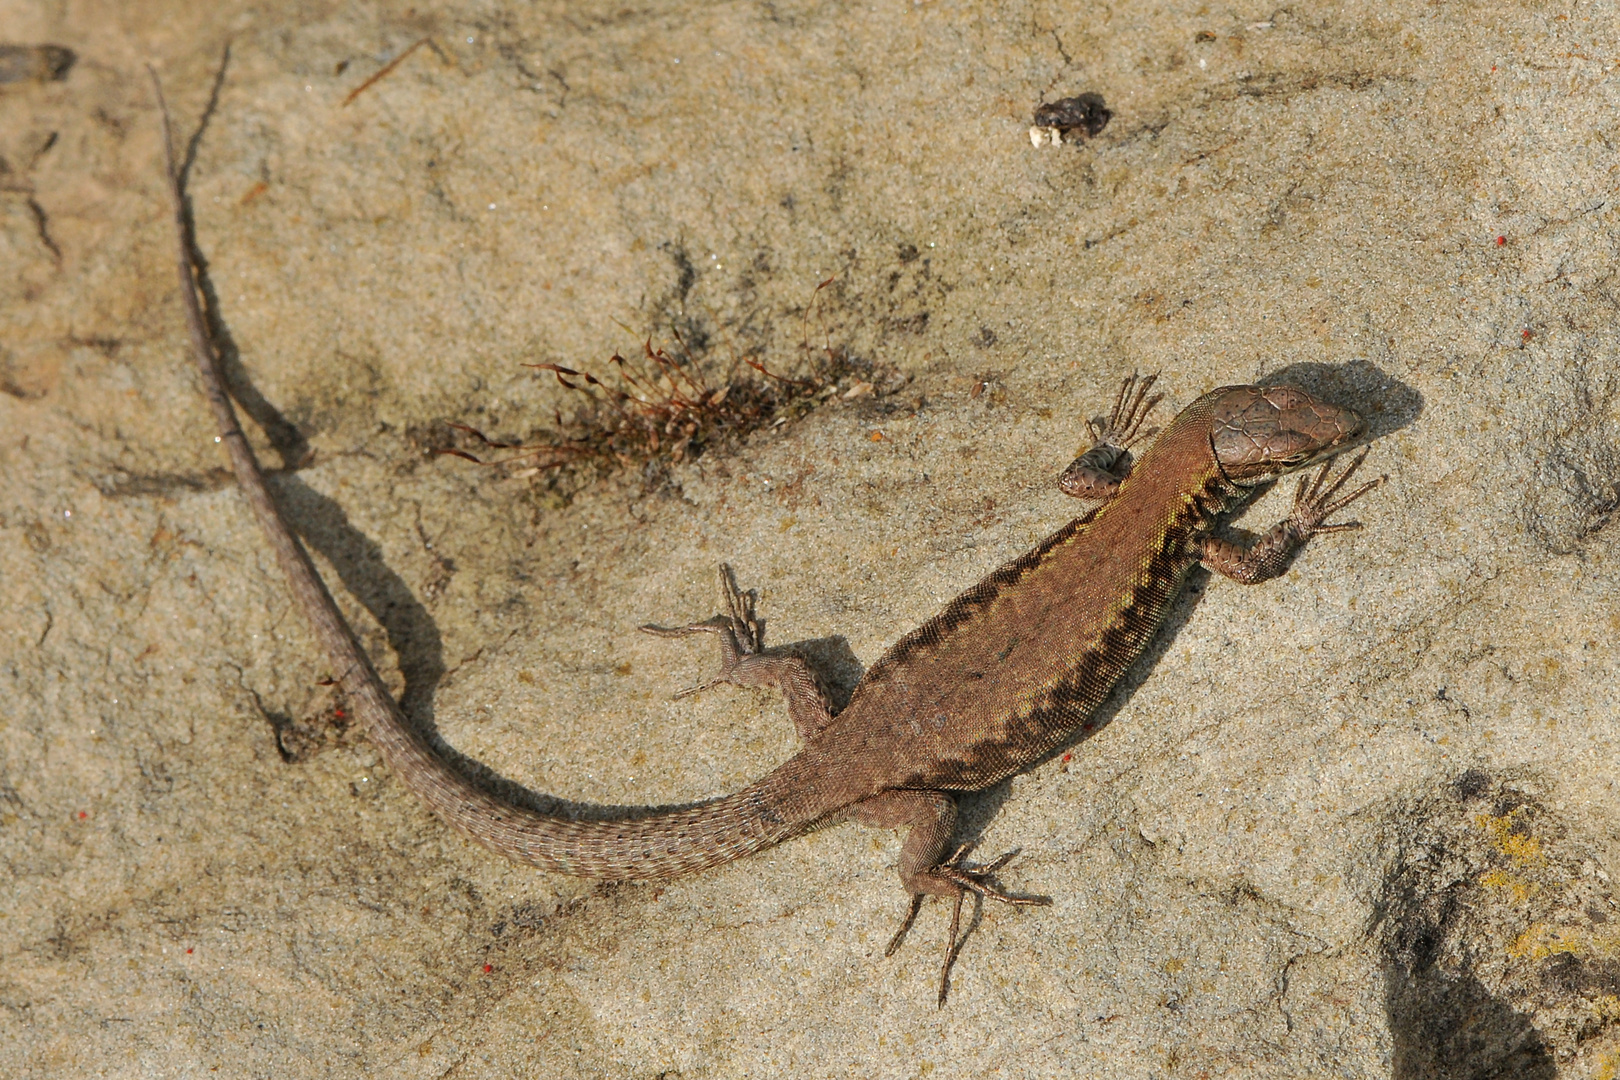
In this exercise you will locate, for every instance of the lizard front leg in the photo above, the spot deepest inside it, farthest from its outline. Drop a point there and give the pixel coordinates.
(924, 870)
(1270, 555)
(1095, 475)
(744, 660)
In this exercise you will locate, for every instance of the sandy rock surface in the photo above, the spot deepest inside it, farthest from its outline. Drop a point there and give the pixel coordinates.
(1355, 822)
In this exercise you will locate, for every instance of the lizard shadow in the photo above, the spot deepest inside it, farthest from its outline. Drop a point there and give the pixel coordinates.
(283, 434)
(320, 522)
(1386, 403)
(364, 572)
(414, 636)
(412, 633)
(358, 560)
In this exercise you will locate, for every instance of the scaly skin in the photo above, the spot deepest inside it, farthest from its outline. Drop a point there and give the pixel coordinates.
(1011, 669)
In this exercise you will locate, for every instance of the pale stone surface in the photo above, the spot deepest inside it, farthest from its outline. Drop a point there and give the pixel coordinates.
(1273, 861)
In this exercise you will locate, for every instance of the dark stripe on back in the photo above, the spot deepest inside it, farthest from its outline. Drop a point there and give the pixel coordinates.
(982, 595)
(1069, 703)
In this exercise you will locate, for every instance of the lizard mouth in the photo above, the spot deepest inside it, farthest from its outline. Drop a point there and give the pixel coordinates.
(1305, 459)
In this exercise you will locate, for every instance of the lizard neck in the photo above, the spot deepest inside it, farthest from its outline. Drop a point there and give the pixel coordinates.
(1173, 496)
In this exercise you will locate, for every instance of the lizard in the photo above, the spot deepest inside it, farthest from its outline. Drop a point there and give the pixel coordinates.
(1011, 670)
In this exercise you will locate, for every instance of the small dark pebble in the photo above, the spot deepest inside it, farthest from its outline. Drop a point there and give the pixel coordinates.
(1083, 113)
(34, 63)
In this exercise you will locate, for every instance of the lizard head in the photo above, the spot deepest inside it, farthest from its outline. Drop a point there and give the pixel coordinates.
(1261, 432)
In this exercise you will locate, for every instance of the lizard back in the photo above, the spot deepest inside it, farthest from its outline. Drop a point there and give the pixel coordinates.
(1009, 669)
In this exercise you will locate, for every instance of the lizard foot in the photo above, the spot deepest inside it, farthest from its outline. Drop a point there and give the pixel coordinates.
(975, 880)
(744, 660)
(1315, 500)
(741, 632)
(1313, 504)
(1131, 408)
(1096, 474)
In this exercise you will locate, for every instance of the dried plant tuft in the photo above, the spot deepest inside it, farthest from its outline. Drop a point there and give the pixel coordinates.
(662, 410)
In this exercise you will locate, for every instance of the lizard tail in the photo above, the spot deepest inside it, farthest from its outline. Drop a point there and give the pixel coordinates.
(660, 845)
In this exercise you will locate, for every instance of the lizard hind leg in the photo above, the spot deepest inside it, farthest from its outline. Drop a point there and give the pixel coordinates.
(924, 871)
(744, 660)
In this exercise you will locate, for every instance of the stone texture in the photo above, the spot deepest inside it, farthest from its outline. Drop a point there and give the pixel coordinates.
(1356, 822)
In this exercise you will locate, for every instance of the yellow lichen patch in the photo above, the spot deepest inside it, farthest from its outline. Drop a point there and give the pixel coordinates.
(1520, 847)
(1501, 879)
(1524, 849)
(1541, 941)
(1607, 1065)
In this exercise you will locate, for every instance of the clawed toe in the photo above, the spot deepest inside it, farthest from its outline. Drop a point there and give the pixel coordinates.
(1131, 408)
(905, 924)
(741, 632)
(718, 624)
(1314, 503)
(975, 880)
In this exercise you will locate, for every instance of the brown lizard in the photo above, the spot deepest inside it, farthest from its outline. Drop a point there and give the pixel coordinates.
(1012, 669)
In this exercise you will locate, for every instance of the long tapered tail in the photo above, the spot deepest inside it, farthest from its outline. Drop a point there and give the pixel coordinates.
(661, 845)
